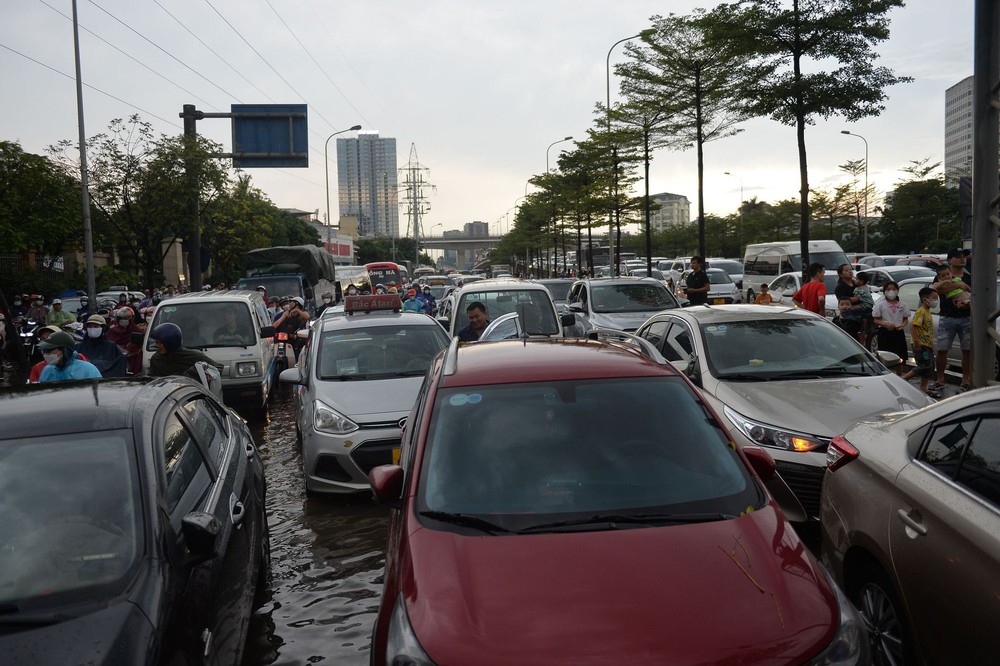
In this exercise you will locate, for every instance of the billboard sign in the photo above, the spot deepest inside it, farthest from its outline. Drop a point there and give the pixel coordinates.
(270, 135)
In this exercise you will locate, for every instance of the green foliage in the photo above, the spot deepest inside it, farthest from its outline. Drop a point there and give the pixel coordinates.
(46, 283)
(384, 248)
(39, 203)
(107, 276)
(920, 215)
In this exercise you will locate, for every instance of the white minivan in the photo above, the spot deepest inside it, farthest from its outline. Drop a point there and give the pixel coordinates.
(231, 327)
(763, 262)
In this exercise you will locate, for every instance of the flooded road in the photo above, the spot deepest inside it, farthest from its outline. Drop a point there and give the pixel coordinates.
(327, 558)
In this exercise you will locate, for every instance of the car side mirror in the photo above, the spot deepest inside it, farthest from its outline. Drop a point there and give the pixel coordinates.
(567, 319)
(444, 321)
(136, 337)
(290, 376)
(267, 332)
(889, 359)
(691, 370)
(387, 484)
(575, 307)
(200, 530)
(763, 464)
(308, 293)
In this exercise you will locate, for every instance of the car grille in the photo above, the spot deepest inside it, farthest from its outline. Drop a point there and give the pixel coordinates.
(374, 453)
(806, 481)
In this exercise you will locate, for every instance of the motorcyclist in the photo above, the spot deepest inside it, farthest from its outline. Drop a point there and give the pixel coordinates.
(57, 316)
(109, 358)
(290, 321)
(327, 302)
(37, 312)
(430, 303)
(379, 288)
(173, 359)
(20, 306)
(62, 362)
(84, 310)
(121, 332)
(412, 303)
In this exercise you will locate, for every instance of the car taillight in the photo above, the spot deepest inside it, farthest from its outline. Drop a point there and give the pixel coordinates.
(282, 337)
(839, 453)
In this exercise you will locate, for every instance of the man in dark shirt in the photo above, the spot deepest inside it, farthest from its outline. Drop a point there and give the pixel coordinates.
(478, 321)
(953, 320)
(697, 283)
(173, 359)
(846, 299)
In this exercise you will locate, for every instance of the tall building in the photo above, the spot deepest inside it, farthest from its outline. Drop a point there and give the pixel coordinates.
(366, 175)
(958, 130)
(669, 210)
(476, 229)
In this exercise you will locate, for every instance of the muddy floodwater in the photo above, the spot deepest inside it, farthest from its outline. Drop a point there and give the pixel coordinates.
(327, 559)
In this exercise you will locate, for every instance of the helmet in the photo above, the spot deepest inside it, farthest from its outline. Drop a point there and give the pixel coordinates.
(123, 296)
(206, 287)
(412, 292)
(298, 299)
(169, 334)
(327, 294)
(97, 319)
(60, 339)
(260, 286)
(56, 301)
(84, 300)
(123, 313)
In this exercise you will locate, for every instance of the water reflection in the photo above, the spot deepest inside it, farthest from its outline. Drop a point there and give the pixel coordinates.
(327, 560)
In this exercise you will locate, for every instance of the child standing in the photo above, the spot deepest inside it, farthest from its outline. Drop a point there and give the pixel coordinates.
(922, 332)
(764, 297)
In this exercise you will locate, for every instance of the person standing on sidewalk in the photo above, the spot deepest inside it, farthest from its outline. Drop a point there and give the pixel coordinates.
(812, 295)
(953, 321)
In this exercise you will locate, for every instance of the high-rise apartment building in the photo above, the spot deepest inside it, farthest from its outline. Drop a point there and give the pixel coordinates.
(366, 175)
(958, 130)
(668, 210)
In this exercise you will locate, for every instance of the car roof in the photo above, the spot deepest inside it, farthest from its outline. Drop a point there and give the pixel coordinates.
(514, 361)
(623, 279)
(82, 406)
(898, 268)
(705, 314)
(208, 296)
(377, 318)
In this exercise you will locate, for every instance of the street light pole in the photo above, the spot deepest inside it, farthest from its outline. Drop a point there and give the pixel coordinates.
(567, 138)
(326, 166)
(554, 236)
(739, 233)
(866, 184)
(613, 183)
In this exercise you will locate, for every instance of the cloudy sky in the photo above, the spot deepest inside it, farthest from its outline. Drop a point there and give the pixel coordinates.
(480, 88)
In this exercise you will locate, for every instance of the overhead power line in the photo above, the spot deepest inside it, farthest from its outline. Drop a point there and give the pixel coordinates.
(316, 62)
(130, 57)
(168, 53)
(214, 52)
(95, 89)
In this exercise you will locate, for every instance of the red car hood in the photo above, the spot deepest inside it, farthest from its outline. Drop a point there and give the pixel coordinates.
(737, 591)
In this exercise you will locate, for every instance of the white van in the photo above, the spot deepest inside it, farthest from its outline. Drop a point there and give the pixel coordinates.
(765, 261)
(231, 327)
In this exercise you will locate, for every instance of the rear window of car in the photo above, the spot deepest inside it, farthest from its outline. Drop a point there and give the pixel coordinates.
(581, 446)
(378, 352)
(533, 305)
(631, 297)
(208, 324)
(69, 516)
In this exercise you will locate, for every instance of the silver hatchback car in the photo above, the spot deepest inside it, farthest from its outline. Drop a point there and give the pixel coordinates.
(356, 380)
(784, 378)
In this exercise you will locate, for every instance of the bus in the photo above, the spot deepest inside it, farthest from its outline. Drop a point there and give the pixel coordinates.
(386, 273)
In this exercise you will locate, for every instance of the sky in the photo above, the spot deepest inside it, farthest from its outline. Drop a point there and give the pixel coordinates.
(478, 89)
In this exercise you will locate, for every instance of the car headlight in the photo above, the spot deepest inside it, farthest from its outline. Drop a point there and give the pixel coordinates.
(247, 369)
(850, 644)
(402, 646)
(327, 419)
(768, 435)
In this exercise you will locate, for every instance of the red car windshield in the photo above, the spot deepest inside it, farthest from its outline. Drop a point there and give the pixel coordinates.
(580, 447)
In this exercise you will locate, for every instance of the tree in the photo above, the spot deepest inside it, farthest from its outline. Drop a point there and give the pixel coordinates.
(703, 85)
(40, 205)
(822, 52)
(921, 214)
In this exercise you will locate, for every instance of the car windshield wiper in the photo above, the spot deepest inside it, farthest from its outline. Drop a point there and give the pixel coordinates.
(465, 520)
(745, 377)
(610, 520)
(410, 373)
(11, 614)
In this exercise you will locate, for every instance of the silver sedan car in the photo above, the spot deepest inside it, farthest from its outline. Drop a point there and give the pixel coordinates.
(911, 529)
(355, 382)
(784, 378)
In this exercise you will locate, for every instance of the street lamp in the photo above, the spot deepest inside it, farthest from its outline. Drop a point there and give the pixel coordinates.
(613, 183)
(866, 184)
(567, 138)
(439, 224)
(326, 166)
(739, 233)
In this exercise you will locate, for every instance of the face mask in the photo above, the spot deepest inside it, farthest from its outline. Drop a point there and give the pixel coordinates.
(123, 323)
(17, 302)
(891, 294)
(285, 307)
(352, 292)
(51, 358)
(38, 303)
(328, 300)
(94, 332)
(932, 304)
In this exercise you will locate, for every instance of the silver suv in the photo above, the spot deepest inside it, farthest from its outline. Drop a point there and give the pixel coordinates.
(620, 304)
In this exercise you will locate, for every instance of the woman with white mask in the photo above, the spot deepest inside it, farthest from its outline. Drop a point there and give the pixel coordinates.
(892, 316)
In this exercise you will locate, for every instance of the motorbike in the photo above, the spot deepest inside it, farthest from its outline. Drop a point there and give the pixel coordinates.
(27, 329)
(282, 351)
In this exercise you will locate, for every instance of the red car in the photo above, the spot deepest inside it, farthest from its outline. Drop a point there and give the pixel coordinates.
(577, 502)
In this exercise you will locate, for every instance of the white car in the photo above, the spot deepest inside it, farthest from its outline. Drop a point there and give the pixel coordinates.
(721, 288)
(783, 287)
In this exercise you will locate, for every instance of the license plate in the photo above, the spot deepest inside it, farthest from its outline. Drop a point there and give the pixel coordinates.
(718, 301)
(395, 456)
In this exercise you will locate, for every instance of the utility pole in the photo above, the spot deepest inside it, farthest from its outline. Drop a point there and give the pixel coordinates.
(416, 201)
(88, 237)
(191, 116)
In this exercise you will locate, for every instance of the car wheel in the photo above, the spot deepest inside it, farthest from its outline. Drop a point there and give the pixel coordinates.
(263, 591)
(873, 595)
(750, 296)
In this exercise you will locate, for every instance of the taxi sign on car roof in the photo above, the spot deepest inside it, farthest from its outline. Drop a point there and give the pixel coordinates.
(372, 302)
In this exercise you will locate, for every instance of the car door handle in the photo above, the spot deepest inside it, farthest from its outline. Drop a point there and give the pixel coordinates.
(912, 523)
(236, 511)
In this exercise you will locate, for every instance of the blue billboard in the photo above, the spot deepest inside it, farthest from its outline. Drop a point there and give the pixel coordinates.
(270, 135)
